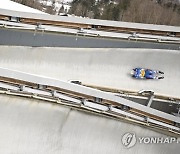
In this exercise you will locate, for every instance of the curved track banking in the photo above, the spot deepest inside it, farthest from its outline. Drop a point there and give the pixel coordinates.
(30, 38)
(32, 126)
(102, 67)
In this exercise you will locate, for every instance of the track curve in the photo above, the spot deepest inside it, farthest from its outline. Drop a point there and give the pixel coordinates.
(31, 126)
(103, 67)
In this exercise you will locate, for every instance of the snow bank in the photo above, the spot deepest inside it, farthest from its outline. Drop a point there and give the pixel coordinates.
(10, 5)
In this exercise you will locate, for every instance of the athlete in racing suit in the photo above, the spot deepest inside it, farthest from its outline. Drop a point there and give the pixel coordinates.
(146, 73)
(149, 74)
(138, 73)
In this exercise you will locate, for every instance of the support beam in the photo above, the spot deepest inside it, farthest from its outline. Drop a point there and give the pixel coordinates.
(86, 91)
(150, 100)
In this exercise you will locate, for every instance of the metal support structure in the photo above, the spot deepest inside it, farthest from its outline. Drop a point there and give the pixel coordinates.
(84, 97)
(151, 97)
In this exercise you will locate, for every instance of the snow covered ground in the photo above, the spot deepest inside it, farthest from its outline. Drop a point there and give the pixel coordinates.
(10, 5)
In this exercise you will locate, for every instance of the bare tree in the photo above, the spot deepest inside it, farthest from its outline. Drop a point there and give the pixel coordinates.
(147, 11)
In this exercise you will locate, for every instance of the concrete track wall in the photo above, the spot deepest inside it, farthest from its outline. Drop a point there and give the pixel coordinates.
(104, 67)
(31, 126)
(39, 39)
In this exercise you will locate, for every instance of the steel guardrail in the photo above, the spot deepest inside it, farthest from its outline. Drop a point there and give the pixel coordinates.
(18, 83)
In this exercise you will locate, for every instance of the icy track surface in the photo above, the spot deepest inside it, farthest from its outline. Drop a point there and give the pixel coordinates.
(98, 66)
(31, 126)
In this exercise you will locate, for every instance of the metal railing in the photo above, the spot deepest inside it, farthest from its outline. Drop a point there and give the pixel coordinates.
(85, 98)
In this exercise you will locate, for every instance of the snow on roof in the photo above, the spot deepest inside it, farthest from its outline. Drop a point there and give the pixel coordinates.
(10, 5)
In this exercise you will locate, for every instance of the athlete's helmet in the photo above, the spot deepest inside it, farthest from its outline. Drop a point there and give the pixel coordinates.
(132, 72)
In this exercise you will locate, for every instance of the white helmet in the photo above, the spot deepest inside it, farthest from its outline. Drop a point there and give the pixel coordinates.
(132, 72)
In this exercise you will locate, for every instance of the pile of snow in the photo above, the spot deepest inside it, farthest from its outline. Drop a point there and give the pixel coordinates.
(10, 5)
(58, 4)
(65, 6)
